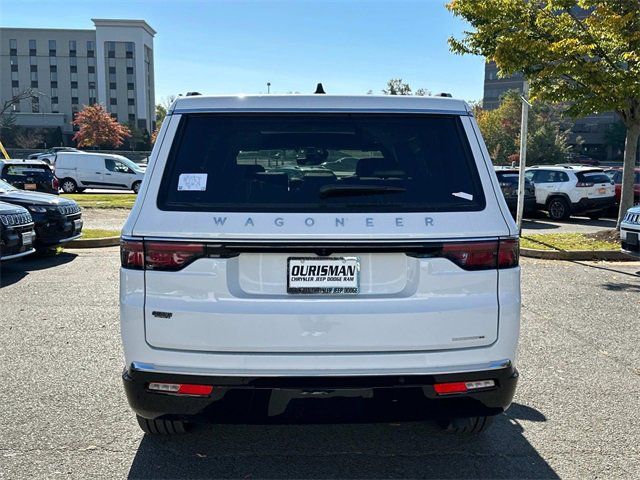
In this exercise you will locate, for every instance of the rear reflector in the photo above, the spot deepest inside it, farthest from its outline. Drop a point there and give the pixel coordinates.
(181, 388)
(462, 387)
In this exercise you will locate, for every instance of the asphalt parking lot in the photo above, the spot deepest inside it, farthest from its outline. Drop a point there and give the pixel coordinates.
(63, 412)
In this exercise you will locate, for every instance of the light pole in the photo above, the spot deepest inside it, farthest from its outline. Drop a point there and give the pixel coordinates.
(268, 87)
(523, 152)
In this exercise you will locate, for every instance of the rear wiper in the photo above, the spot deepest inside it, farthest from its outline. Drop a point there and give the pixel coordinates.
(354, 190)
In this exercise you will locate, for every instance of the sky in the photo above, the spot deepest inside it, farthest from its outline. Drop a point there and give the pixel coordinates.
(237, 46)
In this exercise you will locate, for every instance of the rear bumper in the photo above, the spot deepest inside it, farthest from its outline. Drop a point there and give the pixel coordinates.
(57, 229)
(590, 204)
(229, 392)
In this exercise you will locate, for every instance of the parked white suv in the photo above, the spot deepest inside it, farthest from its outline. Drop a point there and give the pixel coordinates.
(565, 190)
(630, 231)
(239, 277)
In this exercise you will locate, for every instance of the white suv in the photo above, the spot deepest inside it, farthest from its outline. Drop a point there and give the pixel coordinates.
(630, 231)
(248, 267)
(565, 190)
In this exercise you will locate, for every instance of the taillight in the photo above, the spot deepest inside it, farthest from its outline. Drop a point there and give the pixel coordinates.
(482, 255)
(55, 184)
(584, 184)
(132, 254)
(171, 255)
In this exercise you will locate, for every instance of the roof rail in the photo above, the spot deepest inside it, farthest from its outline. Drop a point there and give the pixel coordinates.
(192, 94)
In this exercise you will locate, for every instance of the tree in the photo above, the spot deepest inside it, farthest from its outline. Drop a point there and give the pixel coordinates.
(26, 94)
(582, 52)
(98, 128)
(396, 86)
(547, 142)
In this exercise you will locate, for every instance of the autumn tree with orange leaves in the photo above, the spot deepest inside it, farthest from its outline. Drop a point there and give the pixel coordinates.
(98, 128)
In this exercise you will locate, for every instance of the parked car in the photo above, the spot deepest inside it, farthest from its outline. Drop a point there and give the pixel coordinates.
(616, 175)
(630, 231)
(79, 170)
(50, 155)
(403, 275)
(565, 190)
(57, 220)
(508, 179)
(16, 232)
(34, 175)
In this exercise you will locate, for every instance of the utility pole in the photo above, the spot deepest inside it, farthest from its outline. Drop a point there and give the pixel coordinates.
(523, 152)
(268, 87)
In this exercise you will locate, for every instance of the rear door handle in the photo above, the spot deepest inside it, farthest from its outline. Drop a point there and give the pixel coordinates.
(99, 173)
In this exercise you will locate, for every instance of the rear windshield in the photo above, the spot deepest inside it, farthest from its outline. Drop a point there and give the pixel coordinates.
(593, 177)
(27, 170)
(320, 163)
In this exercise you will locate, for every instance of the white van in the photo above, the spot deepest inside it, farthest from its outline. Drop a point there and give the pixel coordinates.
(77, 171)
(247, 267)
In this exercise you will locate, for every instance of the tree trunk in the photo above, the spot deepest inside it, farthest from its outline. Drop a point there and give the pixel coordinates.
(628, 172)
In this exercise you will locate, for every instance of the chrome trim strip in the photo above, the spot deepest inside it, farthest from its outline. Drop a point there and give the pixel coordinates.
(179, 111)
(18, 255)
(65, 240)
(153, 368)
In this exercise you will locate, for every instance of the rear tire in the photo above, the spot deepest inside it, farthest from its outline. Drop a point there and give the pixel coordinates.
(467, 426)
(69, 185)
(136, 187)
(558, 209)
(161, 427)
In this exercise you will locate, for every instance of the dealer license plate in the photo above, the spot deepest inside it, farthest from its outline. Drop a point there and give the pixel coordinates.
(323, 276)
(27, 239)
(632, 239)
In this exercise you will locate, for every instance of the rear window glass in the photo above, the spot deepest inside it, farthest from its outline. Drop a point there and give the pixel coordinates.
(507, 177)
(24, 170)
(593, 177)
(320, 163)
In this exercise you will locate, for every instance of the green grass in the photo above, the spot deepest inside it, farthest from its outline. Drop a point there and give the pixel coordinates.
(88, 233)
(103, 200)
(565, 241)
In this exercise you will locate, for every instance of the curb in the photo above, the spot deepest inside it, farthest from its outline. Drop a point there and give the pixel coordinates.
(94, 242)
(609, 255)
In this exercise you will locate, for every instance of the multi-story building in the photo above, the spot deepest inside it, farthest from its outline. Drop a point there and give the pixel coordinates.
(111, 64)
(587, 135)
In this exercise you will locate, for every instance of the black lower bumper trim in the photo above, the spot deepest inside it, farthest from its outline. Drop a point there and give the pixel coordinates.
(237, 396)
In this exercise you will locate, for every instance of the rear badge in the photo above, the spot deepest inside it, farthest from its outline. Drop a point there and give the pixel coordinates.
(162, 314)
(323, 276)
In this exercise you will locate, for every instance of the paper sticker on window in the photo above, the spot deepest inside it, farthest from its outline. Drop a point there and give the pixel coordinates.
(466, 196)
(192, 182)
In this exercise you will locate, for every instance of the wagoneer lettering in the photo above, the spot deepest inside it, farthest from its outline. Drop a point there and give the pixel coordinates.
(343, 244)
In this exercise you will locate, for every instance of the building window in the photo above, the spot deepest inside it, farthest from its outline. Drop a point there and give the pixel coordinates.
(33, 60)
(35, 105)
(129, 70)
(91, 69)
(74, 100)
(113, 93)
(112, 62)
(13, 46)
(131, 109)
(54, 92)
(112, 77)
(130, 94)
(14, 75)
(54, 76)
(112, 69)
(129, 86)
(73, 70)
(74, 84)
(53, 60)
(73, 61)
(113, 101)
(54, 99)
(54, 108)
(92, 85)
(129, 49)
(54, 84)
(74, 77)
(111, 49)
(90, 49)
(15, 84)
(14, 68)
(130, 78)
(129, 63)
(52, 48)
(92, 77)
(34, 76)
(112, 85)
(132, 117)
(74, 92)
(53, 68)
(91, 62)
(33, 68)
(131, 101)
(92, 100)
(32, 47)
(13, 60)
(72, 48)
(34, 84)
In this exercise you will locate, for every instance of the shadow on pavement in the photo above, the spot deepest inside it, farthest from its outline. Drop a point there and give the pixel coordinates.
(305, 448)
(622, 287)
(14, 271)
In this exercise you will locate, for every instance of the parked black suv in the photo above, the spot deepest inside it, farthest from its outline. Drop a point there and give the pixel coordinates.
(508, 179)
(32, 175)
(57, 220)
(16, 232)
